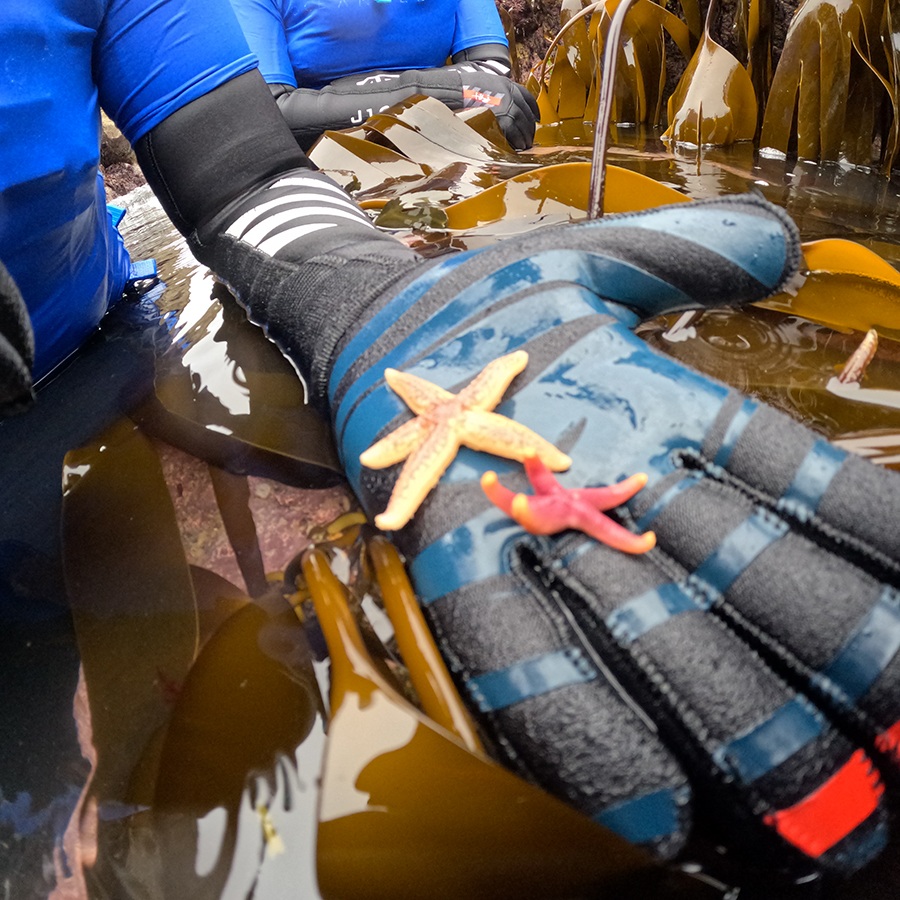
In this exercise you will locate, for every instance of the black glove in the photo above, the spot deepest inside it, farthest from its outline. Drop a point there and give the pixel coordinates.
(745, 670)
(16, 348)
(351, 100)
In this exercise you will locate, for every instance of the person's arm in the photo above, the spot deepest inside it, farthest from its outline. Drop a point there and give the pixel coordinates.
(479, 36)
(232, 179)
(479, 76)
(179, 80)
(493, 57)
(349, 101)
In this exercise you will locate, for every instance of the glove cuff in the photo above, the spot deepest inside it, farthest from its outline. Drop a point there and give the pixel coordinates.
(307, 309)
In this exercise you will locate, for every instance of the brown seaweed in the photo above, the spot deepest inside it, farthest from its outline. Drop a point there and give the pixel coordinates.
(847, 287)
(132, 599)
(828, 86)
(572, 86)
(714, 102)
(555, 194)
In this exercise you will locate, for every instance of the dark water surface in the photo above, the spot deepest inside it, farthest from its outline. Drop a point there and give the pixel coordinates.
(185, 799)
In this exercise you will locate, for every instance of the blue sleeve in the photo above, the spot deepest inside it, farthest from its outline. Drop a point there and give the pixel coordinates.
(154, 56)
(264, 28)
(477, 22)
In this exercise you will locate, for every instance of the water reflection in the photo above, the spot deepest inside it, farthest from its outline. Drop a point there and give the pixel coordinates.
(196, 710)
(825, 201)
(786, 361)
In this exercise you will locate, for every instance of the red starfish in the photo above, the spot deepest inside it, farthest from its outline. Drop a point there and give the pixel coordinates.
(553, 508)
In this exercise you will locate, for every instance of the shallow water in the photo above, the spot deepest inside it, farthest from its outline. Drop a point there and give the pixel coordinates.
(171, 810)
(784, 359)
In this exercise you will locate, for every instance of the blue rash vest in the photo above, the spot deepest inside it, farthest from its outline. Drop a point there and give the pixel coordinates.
(310, 43)
(61, 61)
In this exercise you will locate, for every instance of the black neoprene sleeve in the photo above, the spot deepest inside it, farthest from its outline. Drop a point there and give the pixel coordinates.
(216, 150)
(230, 175)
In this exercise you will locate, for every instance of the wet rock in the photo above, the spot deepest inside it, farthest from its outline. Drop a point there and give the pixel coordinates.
(118, 163)
(283, 516)
(121, 178)
(114, 146)
(536, 22)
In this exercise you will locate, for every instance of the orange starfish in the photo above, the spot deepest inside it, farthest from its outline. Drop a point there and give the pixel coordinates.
(445, 422)
(553, 508)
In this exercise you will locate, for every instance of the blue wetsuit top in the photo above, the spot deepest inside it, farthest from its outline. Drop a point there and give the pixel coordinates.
(310, 43)
(62, 61)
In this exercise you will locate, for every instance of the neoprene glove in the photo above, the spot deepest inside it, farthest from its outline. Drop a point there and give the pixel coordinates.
(351, 100)
(745, 669)
(16, 348)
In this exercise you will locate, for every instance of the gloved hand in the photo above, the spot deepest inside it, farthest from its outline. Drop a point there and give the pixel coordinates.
(16, 348)
(351, 100)
(745, 669)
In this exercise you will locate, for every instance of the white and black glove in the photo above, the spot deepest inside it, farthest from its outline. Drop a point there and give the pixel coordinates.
(350, 100)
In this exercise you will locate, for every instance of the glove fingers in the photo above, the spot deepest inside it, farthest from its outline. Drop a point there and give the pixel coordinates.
(528, 99)
(817, 597)
(519, 121)
(809, 479)
(755, 749)
(555, 712)
(759, 751)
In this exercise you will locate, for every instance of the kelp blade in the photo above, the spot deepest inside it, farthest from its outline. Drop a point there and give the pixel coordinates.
(240, 708)
(640, 61)
(848, 287)
(407, 812)
(557, 194)
(362, 166)
(437, 694)
(714, 102)
(442, 136)
(131, 596)
(826, 89)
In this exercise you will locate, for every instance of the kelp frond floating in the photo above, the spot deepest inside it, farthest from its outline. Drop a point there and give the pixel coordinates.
(832, 93)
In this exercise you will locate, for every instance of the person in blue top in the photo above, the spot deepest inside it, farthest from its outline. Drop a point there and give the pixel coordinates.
(332, 63)
(750, 659)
